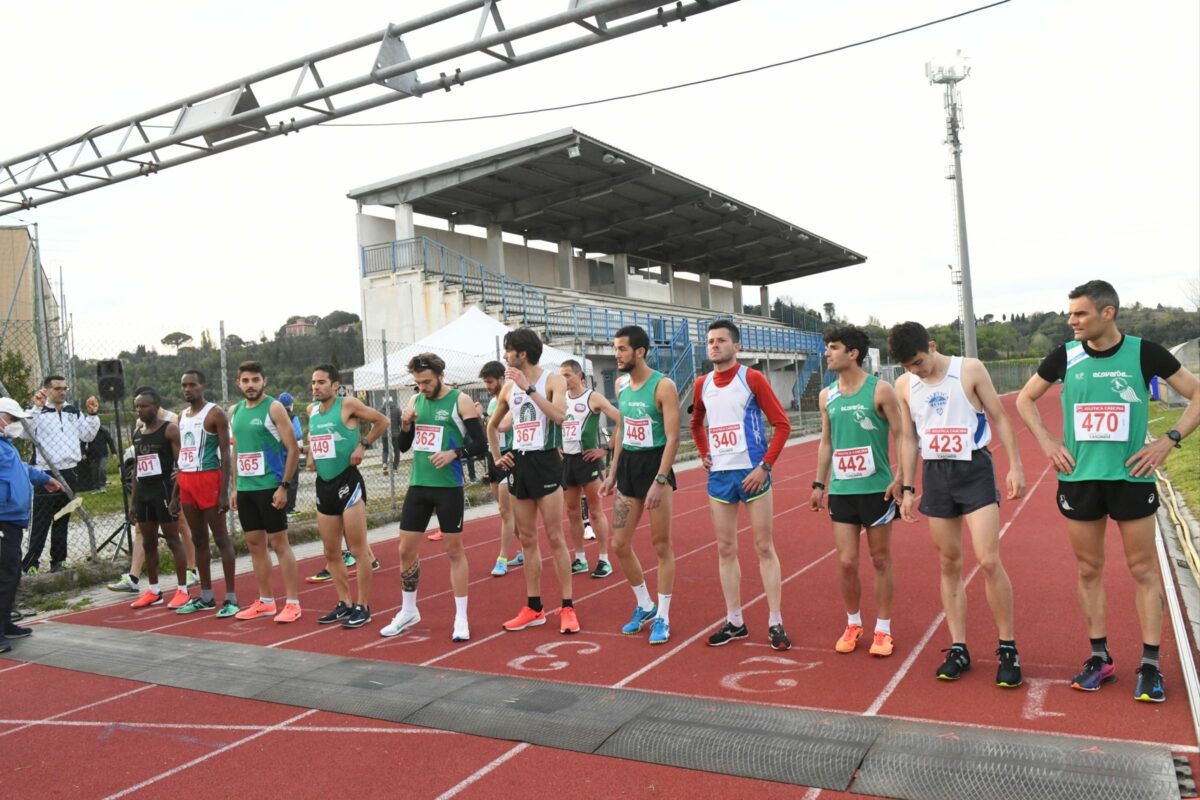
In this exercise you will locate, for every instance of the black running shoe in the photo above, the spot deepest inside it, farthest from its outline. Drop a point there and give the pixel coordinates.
(4, 645)
(1149, 685)
(340, 612)
(779, 639)
(727, 634)
(1008, 674)
(12, 631)
(359, 616)
(957, 662)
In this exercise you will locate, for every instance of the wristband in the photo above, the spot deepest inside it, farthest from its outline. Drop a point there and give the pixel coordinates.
(818, 485)
(911, 489)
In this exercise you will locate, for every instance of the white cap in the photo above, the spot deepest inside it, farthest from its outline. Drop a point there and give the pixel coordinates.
(12, 408)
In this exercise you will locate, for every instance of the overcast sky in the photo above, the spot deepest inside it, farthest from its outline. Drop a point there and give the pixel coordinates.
(1080, 148)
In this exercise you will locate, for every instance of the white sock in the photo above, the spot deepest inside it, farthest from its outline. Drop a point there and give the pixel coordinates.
(774, 618)
(604, 557)
(643, 597)
(883, 626)
(854, 619)
(154, 588)
(734, 617)
(267, 601)
(664, 607)
(460, 607)
(581, 555)
(293, 601)
(409, 601)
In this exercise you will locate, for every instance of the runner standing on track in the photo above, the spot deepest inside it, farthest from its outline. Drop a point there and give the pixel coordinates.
(583, 462)
(266, 456)
(492, 374)
(734, 450)
(202, 489)
(156, 447)
(538, 400)
(336, 449)
(946, 400)
(441, 425)
(1104, 468)
(857, 412)
(646, 441)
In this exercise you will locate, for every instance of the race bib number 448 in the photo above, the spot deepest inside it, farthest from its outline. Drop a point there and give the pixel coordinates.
(1101, 422)
(637, 432)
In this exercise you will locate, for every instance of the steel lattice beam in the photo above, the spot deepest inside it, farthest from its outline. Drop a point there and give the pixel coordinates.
(252, 108)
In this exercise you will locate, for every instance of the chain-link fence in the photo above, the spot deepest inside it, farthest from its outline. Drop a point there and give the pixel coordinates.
(77, 430)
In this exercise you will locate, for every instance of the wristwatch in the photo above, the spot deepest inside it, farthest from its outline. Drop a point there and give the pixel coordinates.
(660, 479)
(911, 489)
(766, 467)
(1175, 436)
(818, 485)
(532, 389)
(286, 485)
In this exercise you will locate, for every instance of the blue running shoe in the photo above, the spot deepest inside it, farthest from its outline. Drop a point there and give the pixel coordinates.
(1149, 685)
(1096, 672)
(660, 631)
(639, 619)
(518, 559)
(501, 568)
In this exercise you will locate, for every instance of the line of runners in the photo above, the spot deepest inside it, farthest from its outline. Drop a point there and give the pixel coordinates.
(545, 452)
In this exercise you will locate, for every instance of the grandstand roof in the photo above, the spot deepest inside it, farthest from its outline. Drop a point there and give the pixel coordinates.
(566, 185)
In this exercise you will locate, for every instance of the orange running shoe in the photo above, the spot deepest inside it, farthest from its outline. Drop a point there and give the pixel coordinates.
(569, 622)
(180, 599)
(882, 646)
(290, 613)
(148, 598)
(256, 609)
(526, 618)
(436, 536)
(849, 639)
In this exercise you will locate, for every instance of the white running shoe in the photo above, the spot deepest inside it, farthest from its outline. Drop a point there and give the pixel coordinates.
(401, 622)
(588, 533)
(462, 633)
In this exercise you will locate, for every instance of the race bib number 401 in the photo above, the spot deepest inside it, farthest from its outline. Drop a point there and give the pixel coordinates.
(946, 443)
(149, 465)
(428, 438)
(1101, 422)
(321, 446)
(853, 462)
(637, 432)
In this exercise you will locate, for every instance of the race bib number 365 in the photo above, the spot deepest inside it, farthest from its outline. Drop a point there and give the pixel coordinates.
(1101, 422)
(322, 446)
(250, 465)
(946, 443)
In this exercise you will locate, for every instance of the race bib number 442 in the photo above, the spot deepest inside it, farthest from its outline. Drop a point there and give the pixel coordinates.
(853, 462)
(1101, 422)
(946, 443)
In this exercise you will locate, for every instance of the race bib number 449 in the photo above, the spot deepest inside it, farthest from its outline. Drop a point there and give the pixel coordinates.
(321, 446)
(946, 443)
(1101, 422)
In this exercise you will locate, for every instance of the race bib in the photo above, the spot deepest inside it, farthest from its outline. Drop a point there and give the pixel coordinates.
(188, 458)
(250, 465)
(637, 432)
(321, 446)
(572, 430)
(1101, 422)
(529, 435)
(725, 440)
(852, 463)
(946, 443)
(428, 438)
(148, 465)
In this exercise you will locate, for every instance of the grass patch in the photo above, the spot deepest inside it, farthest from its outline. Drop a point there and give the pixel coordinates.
(1182, 465)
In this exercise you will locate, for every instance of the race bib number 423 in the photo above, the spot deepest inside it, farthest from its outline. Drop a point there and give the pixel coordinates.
(946, 443)
(1101, 422)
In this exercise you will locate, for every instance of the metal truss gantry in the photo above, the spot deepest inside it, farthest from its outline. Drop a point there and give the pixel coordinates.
(298, 93)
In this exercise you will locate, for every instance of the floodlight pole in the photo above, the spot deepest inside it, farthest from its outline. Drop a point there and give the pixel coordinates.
(949, 79)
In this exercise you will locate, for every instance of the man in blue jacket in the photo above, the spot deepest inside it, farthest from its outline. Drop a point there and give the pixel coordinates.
(17, 480)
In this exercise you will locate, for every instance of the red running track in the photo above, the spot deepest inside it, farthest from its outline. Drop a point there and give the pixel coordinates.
(1050, 634)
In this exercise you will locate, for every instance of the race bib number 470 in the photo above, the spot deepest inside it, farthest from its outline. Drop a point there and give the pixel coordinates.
(1101, 422)
(946, 443)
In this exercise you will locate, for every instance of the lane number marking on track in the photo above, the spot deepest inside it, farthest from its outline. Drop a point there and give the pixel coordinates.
(780, 668)
(529, 663)
(1035, 699)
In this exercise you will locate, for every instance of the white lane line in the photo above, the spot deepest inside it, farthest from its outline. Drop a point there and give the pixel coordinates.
(206, 756)
(18, 666)
(82, 708)
(188, 726)
(482, 771)
(873, 709)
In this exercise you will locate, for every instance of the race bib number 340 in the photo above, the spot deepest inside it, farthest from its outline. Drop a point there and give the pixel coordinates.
(946, 443)
(1101, 422)
(727, 439)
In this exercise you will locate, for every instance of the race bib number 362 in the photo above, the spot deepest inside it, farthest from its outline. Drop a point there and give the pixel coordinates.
(428, 438)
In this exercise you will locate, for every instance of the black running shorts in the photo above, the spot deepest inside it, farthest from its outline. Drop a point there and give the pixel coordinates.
(337, 495)
(535, 474)
(637, 470)
(421, 502)
(153, 504)
(577, 472)
(255, 512)
(956, 488)
(1088, 501)
(864, 510)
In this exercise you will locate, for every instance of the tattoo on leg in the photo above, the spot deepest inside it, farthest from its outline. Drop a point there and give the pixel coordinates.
(620, 512)
(411, 577)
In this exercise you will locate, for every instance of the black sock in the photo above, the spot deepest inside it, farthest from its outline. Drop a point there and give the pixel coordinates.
(535, 603)
(963, 647)
(1150, 655)
(1100, 649)
(133, 578)
(568, 603)
(1009, 643)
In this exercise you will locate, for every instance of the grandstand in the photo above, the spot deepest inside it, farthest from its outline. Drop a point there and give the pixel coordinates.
(632, 244)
